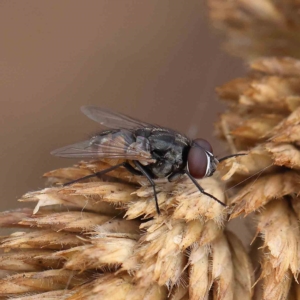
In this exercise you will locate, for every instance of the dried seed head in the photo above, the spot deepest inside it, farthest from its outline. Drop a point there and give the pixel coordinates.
(79, 230)
(258, 27)
(38, 282)
(267, 103)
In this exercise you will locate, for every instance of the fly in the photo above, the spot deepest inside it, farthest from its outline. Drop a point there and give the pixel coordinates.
(154, 152)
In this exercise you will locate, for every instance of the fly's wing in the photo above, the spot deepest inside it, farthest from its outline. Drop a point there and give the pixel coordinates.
(112, 119)
(111, 144)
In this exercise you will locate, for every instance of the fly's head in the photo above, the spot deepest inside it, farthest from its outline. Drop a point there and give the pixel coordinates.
(200, 161)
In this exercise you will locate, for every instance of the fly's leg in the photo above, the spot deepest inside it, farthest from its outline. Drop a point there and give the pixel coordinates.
(123, 164)
(148, 176)
(202, 190)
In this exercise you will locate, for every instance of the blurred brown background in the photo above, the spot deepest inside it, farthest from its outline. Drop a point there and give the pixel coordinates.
(157, 60)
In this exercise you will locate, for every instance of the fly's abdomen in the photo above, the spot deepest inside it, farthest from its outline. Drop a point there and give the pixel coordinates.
(121, 144)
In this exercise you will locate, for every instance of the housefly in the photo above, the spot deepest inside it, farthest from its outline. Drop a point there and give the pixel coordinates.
(148, 150)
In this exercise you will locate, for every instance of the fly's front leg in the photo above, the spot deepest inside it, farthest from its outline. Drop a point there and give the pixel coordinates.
(148, 176)
(200, 188)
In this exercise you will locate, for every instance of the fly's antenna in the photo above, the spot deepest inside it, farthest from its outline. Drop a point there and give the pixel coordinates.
(232, 155)
(258, 172)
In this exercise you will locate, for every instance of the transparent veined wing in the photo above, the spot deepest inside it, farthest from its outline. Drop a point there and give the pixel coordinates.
(112, 119)
(109, 144)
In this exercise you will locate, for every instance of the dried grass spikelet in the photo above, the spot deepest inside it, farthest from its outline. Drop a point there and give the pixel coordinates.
(258, 27)
(268, 177)
(103, 239)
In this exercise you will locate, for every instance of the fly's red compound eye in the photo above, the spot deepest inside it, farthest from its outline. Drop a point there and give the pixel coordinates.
(197, 162)
(204, 144)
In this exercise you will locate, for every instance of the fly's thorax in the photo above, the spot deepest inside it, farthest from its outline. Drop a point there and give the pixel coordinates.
(167, 162)
(161, 169)
(143, 132)
(141, 145)
(170, 163)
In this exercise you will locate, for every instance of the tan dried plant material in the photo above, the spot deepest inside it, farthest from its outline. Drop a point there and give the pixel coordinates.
(46, 239)
(266, 180)
(53, 295)
(246, 131)
(271, 93)
(80, 222)
(98, 233)
(268, 94)
(181, 293)
(256, 161)
(295, 203)
(272, 78)
(255, 128)
(231, 91)
(53, 197)
(160, 257)
(199, 265)
(258, 27)
(284, 155)
(222, 273)
(263, 109)
(29, 260)
(11, 218)
(272, 289)
(190, 206)
(102, 238)
(33, 282)
(182, 200)
(109, 253)
(74, 221)
(280, 66)
(292, 120)
(103, 288)
(289, 134)
(278, 226)
(115, 193)
(225, 265)
(121, 286)
(84, 168)
(259, 192)
(106, 231)
(243, 270)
